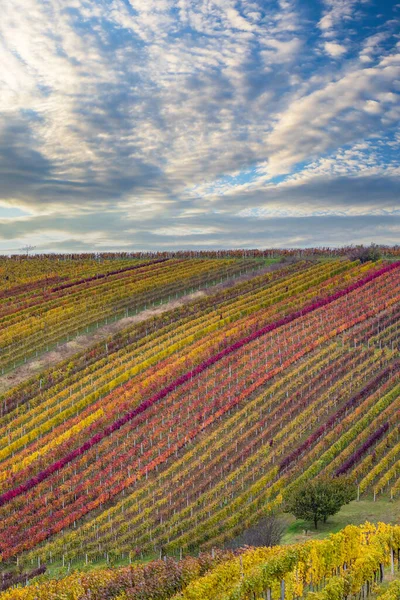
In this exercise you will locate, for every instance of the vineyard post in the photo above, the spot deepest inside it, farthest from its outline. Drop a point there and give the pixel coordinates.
(282, 589)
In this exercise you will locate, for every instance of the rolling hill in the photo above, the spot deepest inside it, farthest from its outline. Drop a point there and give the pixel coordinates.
(183, 428)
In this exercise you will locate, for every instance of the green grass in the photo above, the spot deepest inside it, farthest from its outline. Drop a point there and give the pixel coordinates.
(354, 513)
(56, 570)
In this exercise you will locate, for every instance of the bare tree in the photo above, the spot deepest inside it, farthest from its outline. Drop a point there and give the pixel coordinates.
(27, 249)
(267, 532)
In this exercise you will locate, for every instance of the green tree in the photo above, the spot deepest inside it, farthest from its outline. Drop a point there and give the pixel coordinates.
(320, 498)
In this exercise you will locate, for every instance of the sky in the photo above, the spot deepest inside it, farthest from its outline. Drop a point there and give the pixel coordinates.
(197, 124)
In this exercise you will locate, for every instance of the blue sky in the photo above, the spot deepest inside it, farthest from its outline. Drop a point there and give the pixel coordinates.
(153, 124)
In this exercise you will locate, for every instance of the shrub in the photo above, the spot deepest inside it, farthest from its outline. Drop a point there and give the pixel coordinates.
(366, 253)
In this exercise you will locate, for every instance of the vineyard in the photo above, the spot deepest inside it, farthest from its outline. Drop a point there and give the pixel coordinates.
(182, 430)
(355, 562)
(42, 302)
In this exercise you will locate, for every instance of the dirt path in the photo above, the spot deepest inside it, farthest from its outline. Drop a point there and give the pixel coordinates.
(80, 343)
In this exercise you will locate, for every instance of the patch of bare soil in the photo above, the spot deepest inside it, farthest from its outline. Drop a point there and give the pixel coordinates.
(84, 341)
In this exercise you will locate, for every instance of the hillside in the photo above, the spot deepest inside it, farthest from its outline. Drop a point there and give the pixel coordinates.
(183, 428)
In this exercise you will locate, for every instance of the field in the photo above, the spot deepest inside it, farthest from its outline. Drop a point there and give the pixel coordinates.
(223, 383)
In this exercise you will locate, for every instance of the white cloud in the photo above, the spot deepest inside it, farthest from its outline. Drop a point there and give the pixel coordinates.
(237, 21)
(185, 231)
(281, 51)
(326, 22)
(372, 107)
(136, 109)
(334, 49)
(336, 13)
(315, 123)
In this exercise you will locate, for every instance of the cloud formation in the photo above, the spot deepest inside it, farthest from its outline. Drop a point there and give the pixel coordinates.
(197, 123)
